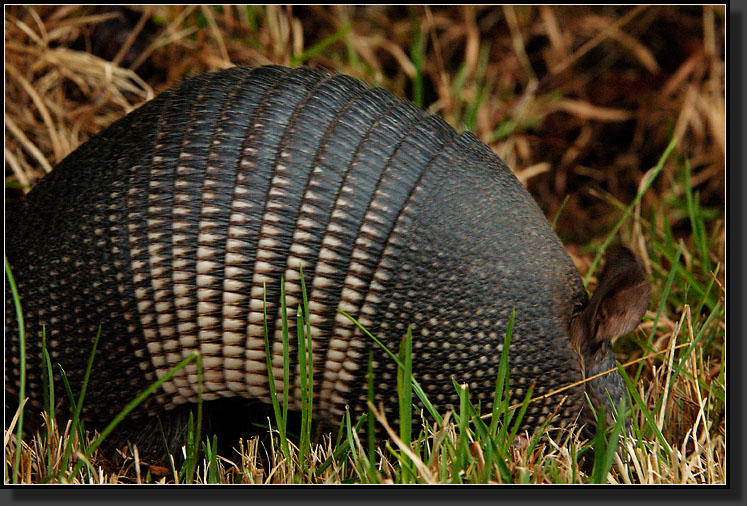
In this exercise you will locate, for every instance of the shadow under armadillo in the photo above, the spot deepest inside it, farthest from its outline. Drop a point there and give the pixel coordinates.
(228, 419)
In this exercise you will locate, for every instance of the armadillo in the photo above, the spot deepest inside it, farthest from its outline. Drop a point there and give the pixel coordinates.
(171, 228)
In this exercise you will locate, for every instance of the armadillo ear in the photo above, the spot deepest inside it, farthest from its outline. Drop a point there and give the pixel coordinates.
(621, 297)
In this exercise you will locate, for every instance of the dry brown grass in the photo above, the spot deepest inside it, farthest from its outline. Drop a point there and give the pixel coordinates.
(579, 97)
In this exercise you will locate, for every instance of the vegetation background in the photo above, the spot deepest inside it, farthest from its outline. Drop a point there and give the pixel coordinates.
(580, 101)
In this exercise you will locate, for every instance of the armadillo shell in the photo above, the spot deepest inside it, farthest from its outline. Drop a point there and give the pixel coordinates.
(166, 229)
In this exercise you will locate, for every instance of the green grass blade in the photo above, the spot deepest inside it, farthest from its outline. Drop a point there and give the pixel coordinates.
(600, 446)
(78, 406)
(696, 223)
(341, 445)
(352, 53)
(286, 365)
(463, 441)
(404, 390)
(502, 380)
(685, 353)
(644, 188)
(135, 403)
(169, 457)
(320, 46)
(22, 377)
(560, 211)
(642, 405)
(415, 385)
(608, 457)
(357, 464)
(664, 296)
(662, 304)
(707, 294)
(279, 419)
(688, 276)
(47, 364)
(371, 418)
(197, 436)
(209, 449)
(520, 416)
(300, 326)
(306, 364)
(187, 471)
(49, 398)
(483, 90)
(70, 398)
(492, 454)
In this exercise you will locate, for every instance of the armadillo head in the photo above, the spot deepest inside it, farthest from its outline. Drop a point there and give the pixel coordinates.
(619, 301)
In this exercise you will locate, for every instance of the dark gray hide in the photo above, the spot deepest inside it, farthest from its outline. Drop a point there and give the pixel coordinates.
(164, 228)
